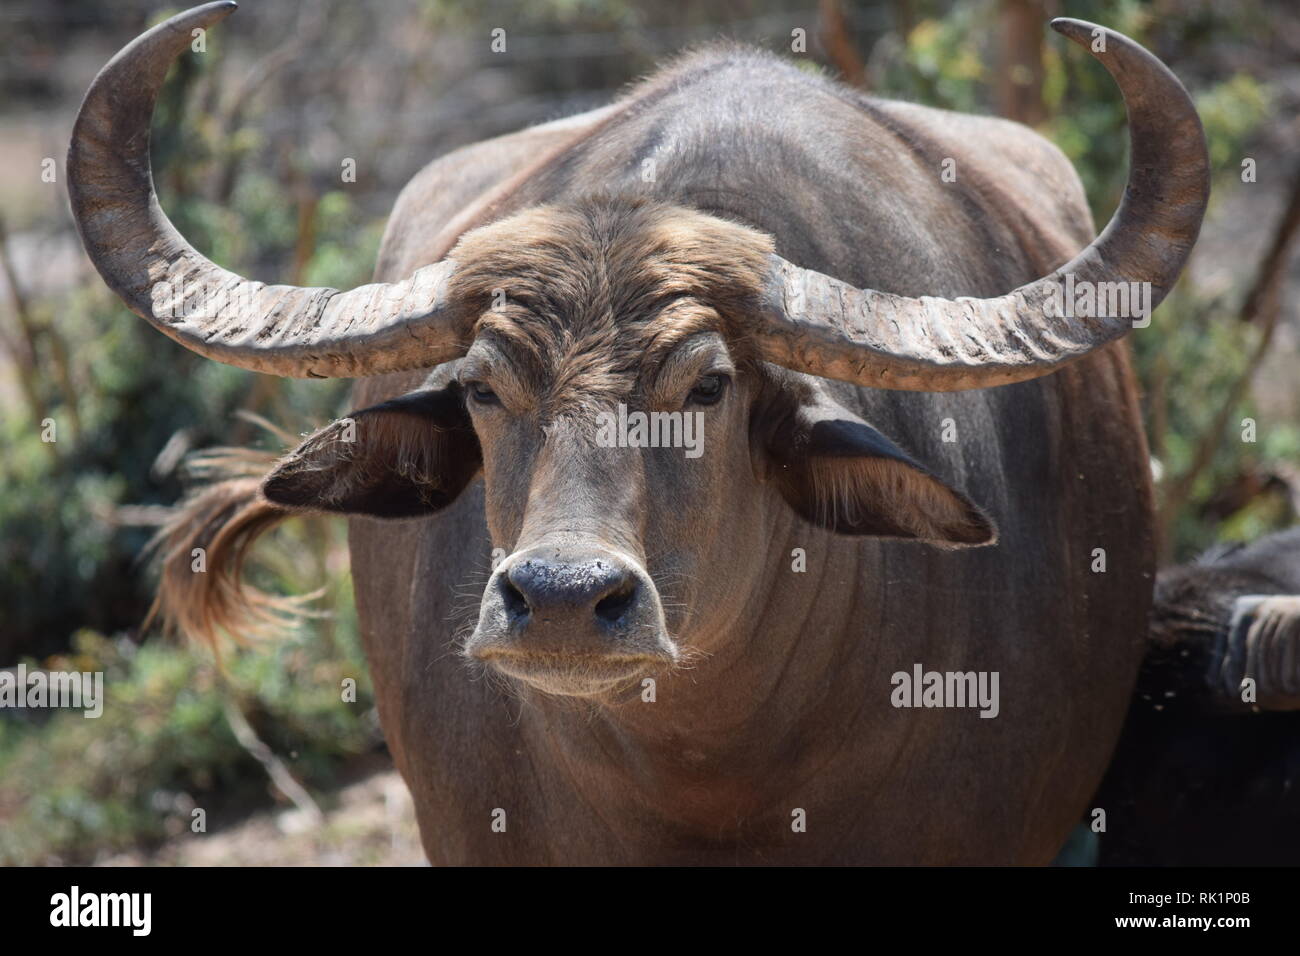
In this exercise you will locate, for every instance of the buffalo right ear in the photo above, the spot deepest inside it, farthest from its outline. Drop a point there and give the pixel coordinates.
(407, 457)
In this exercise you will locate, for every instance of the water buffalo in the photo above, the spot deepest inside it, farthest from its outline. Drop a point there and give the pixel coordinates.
(1207, 767)
(914, 452)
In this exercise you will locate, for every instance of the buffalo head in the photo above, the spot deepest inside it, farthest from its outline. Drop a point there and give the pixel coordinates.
(552, 330)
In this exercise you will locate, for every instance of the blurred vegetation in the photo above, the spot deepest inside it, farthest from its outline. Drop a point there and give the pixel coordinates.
(75, 516)
(75, 788)
(239, 180)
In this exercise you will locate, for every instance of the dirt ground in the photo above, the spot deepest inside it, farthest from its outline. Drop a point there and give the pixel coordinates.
(367, 823)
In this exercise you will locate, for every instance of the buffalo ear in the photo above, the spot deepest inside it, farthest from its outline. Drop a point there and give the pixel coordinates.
(838, 472)
(407, 457)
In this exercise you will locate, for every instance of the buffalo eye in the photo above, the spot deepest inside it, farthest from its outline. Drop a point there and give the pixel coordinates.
(708, 390)
(481, 393)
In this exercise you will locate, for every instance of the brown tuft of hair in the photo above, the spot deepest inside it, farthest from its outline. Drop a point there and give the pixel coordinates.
(224, 518)
(597, 288)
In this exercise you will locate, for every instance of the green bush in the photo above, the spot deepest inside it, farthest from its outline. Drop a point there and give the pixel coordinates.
(74, 788)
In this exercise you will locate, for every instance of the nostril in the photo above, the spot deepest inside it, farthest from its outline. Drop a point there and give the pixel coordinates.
(555, 591)
(514, 600)
(613, 606)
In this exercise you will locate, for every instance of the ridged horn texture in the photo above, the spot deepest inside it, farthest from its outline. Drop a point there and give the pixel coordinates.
(816, 324)
(277, 329)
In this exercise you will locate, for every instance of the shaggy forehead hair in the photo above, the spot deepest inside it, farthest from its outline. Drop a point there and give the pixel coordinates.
(587, 298)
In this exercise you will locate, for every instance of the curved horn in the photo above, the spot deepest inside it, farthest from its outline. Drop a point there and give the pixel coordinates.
(814, 323)
(278, 329)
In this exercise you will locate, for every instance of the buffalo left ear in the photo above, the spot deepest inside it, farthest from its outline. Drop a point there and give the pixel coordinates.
(838, 472)
(407, 457)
